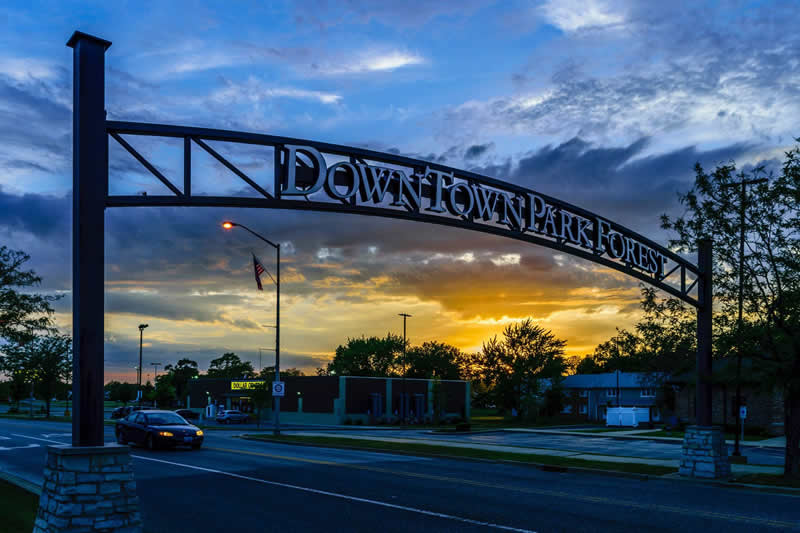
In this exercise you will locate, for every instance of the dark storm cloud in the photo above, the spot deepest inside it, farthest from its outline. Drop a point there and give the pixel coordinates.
(616, 182)
(46, 217)
(477, 150)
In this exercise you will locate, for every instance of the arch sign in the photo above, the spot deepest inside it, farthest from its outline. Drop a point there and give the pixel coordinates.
(318, 176)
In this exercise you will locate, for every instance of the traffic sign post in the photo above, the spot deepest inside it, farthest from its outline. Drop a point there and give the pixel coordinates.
(742, 417)
(278, 389)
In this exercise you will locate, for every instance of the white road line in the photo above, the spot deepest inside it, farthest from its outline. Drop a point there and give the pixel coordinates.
(37, 438)
(344, 496)
(4, 438)
(2, 449)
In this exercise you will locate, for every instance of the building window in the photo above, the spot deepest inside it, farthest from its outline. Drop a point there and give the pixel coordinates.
(648, 393)
(567, 409)
(584, 409)
(611, 393)
(584, 393)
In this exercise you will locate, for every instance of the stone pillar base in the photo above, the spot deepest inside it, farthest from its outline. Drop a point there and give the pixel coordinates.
(705, 454)
(88, 489)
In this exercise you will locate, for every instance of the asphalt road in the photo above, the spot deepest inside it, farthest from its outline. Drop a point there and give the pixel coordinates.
(238, 485)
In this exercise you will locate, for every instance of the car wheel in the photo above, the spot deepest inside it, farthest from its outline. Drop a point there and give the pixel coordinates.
(196, 446)
(151, 445)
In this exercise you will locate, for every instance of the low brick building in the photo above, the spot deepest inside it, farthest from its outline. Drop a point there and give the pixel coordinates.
(342, 399)
(764, 409)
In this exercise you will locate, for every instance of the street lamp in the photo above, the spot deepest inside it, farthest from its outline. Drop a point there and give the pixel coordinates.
(404, 403)
(228, 225)
(141, 333)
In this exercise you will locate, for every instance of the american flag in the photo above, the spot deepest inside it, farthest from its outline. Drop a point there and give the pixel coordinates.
(259, 269)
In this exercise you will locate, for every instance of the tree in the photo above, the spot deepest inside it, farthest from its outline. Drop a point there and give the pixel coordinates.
(512, 367)
(164, 392)
(15, 365)
(771, 266)
(230, 366)
(121, 392)
(434, 359)
(268, 373)
(50, 364)
(367, 356)
(181, 373)
(22, 315)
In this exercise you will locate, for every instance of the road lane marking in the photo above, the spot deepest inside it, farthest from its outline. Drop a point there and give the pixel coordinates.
(540, 492)
(4, 438)
(37, 438)
(345, 496)
(3, 449)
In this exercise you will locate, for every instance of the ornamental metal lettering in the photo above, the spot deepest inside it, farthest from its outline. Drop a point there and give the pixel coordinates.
(435, 191)
(316, 176)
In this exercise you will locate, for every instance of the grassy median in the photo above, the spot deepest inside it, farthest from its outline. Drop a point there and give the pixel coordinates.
(468, 453)
(17, 508)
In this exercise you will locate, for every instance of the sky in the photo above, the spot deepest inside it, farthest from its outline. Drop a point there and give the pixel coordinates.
(607, 105)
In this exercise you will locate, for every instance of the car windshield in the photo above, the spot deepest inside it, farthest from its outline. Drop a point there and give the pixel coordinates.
(165, 419)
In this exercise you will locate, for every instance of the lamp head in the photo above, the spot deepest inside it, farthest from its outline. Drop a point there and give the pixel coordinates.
(228, 224)
(142, 326)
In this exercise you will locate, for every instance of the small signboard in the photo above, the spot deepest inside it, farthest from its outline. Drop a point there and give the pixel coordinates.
(743, 412)
(278, 388)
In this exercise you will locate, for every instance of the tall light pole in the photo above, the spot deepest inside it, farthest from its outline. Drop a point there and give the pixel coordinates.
(742, 208)
(155, 380)
(230, 225)
(141, 334)
(404, 402)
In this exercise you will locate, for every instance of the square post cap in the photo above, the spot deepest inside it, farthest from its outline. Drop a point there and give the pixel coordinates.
(79, 36)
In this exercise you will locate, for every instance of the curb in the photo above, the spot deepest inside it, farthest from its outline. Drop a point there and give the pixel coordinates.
(539, 466)
(33, 488)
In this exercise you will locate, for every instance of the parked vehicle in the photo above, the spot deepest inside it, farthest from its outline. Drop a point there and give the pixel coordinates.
(122, 412)
(232, 416)
(188, 414)
(154, 429)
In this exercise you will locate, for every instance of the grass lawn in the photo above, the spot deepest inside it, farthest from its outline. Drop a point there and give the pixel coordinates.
(491, 419)
(767, 479)
(474, 453)
(17, 508)
(679, 434)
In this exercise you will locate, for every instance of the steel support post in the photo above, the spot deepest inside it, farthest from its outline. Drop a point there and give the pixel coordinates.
(704, 313)
(89, 181)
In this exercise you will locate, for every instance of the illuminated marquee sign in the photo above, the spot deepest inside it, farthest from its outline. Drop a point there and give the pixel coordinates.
(245, 385)
(447, 194)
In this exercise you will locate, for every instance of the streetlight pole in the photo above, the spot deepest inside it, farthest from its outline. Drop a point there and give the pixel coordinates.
(141, 334)
(229, 225)
(742, 208)
(404, 402)
(155, 380)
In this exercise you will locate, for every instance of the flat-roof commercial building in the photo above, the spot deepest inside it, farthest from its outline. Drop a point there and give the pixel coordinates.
(342, 399)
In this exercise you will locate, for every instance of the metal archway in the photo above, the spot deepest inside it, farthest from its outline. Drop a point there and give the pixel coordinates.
(316, 176)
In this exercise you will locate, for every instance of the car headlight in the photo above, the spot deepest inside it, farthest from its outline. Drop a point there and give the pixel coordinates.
(199, 433)
(165, 433)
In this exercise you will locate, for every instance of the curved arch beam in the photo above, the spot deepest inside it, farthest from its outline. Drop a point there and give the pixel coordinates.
(316, 176)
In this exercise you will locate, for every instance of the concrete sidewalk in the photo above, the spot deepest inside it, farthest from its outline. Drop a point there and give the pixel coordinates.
(673, 463)
(642, 434)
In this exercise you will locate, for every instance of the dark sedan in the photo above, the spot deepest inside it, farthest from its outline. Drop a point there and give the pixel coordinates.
(156, 429)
